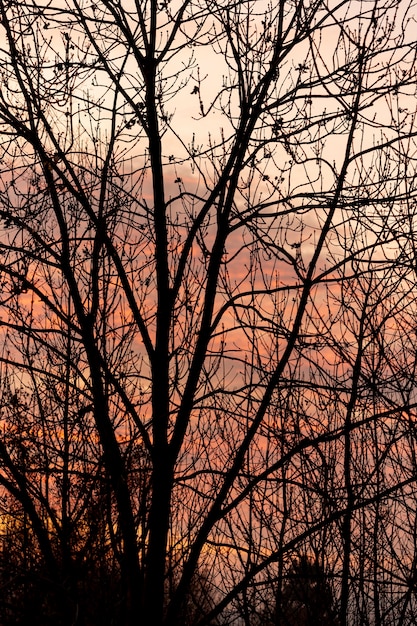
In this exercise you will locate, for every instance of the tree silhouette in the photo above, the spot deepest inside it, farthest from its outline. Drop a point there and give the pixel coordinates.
(207, 304)
(306, 598)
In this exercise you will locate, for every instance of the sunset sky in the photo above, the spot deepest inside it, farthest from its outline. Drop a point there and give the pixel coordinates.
(208, 308)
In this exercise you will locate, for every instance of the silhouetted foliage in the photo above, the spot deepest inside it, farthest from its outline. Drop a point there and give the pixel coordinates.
(89, 593)
(306, 598)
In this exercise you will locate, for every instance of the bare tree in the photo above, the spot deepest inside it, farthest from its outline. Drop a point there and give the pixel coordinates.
(207, 317)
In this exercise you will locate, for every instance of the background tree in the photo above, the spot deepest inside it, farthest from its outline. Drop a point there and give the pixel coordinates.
(208, 309)
(306, 597)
